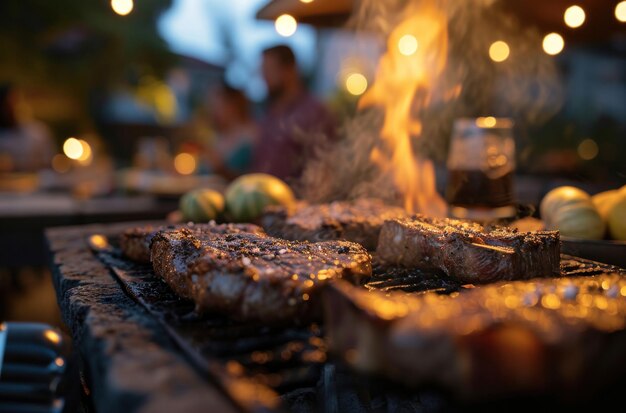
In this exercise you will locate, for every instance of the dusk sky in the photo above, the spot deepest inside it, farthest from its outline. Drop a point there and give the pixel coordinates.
(192, 27)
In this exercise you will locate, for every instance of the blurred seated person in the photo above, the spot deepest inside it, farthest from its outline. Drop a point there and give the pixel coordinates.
(25, 144)
(235, 132)
(295, 122)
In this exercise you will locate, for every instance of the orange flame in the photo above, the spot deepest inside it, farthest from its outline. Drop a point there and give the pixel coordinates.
(405, 81)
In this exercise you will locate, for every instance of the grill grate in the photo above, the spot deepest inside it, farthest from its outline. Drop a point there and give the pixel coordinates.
(287, 362)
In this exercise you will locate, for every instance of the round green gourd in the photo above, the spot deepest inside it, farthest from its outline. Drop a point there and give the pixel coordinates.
(579, 221)
(559, 198)
(201, 205)
(248, 195)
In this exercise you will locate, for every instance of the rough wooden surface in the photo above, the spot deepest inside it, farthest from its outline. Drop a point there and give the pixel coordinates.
(128, 364)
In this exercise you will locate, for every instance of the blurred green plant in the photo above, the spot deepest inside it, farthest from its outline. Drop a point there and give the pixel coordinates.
(78, 46)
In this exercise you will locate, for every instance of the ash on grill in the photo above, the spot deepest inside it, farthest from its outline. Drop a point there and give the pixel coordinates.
(289, 362)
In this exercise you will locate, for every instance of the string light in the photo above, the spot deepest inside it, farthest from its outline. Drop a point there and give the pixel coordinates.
(574, 16)
(286, 25)
(122, 7)
(87, 154)
(499, 51)
(620, 11)
(72, 148)
(553, 44)
(356, 84)
(408, 45)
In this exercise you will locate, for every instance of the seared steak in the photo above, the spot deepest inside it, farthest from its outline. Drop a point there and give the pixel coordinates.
(559, 335)
(135, 242)
(252, 276)
(357, 221)
(469, 252)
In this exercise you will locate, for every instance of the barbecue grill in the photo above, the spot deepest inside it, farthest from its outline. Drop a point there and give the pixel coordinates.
(249, 367)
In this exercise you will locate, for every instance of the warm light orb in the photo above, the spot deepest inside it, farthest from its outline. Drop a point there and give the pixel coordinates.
(553, 44)
(588, 149)
(73, 149)
(87, 154)
(574, 16)
(306, 1)
(356, 84)
(486, 122)
(408, 45)
(286, 25)
(122, 7)
(52, 336)
(620, 11)
(185, 163)
(499, 51)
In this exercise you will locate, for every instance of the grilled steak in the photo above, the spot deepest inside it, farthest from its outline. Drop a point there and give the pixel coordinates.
(357, 221)
(252, 276)
(135, 242)
(560, 335)
(469, 252)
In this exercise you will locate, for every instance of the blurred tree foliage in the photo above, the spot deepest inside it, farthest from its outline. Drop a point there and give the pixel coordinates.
(77, 45)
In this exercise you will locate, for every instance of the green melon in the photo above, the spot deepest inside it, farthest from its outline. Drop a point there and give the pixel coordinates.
(202, 205)
(579, 221)
(248, 195)
(561, 197)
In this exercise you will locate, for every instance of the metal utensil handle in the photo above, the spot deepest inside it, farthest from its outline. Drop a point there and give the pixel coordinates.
(3, 341)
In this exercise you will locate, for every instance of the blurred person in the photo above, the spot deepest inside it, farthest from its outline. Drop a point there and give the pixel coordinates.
(25, 144)
(235, 132)
(295, 123)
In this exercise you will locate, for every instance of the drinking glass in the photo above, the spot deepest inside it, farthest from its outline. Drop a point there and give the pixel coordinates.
(480, 165)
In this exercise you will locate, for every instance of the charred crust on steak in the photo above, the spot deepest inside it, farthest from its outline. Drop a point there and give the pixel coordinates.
(135, 242)
(253, 276)
(468, 251)
(357, 221)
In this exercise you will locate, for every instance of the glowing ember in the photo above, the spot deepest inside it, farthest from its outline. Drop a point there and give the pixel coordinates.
(404, 83)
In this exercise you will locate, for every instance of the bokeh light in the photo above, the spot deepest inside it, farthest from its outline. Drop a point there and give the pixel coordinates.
(588, 149)
(87, 155)
(499, 51)
(574, 16)
(185, 163)
(52, 336)
(122, 7)
(60, 163)
(72, 148)
(620, 11)
(553, 44)
(306, 1)
(408, 45)
(356, 84)
(486, 122)
(286, 25)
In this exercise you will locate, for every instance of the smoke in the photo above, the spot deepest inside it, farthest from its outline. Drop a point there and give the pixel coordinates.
(525, 87)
